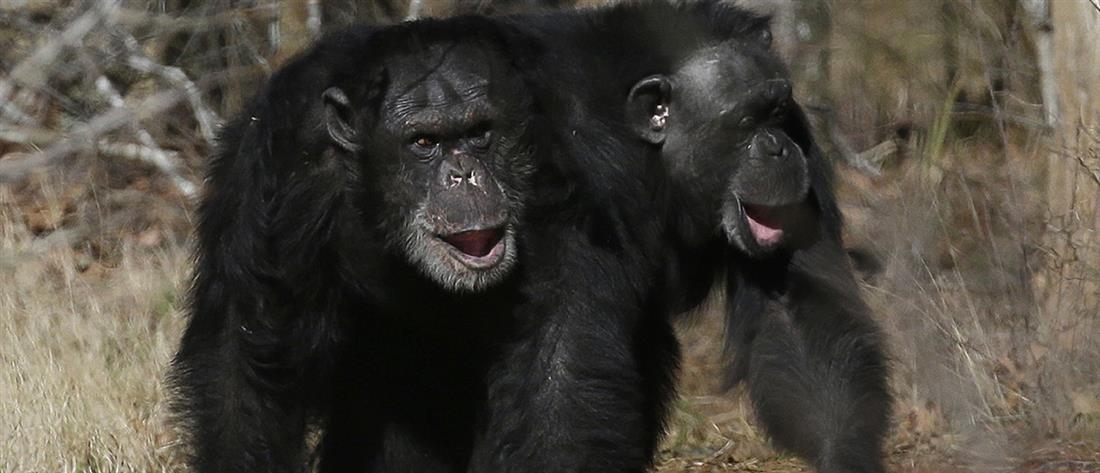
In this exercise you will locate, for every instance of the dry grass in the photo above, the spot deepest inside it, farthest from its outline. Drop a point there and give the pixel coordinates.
(84, 345)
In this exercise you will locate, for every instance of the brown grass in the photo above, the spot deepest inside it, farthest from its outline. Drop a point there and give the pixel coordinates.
(84, 345)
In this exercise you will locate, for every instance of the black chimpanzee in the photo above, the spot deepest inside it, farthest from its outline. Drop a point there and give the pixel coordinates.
(395, 250)
(802, 337)
(374, 182)
(697, 83)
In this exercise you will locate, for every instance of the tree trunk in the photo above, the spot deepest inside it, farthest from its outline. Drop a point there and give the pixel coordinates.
(1073, 181)
(1069, 284)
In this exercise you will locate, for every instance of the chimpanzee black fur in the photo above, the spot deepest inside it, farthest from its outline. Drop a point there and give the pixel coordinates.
(347, 238)
(703, 89)
(801, 336)
(264, 325)
(356, 275)
(331, 209)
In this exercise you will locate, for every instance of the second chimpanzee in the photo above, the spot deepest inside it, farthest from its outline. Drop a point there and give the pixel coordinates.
(802, 338)
(698, 84)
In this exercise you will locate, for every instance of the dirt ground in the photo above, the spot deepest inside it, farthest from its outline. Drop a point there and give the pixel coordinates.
(1050, 457)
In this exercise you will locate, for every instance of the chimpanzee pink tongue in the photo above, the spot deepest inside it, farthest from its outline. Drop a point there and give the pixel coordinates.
(476, 243)
(764, 224)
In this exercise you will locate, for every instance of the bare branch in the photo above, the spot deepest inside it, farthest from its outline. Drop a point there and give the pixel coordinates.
(166, 162)
(169, 24)
(31, 72)
(206, 117)
(26, 135)
(9, 110)
(87, 136)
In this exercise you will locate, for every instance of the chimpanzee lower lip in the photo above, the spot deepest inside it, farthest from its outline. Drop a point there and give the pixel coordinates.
(763, 223)
(477, 249)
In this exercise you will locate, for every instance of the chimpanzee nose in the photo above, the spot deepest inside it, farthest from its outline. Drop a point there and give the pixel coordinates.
(768, 145)
(458, 170)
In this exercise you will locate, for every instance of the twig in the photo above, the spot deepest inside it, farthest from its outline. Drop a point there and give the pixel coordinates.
(31, 72)
(1088, 170)
(26, 135)
(205, 117)
(857, 160)
(165, 24)
(166, 162)
(9, 111)
(826, 119)
(87, 136)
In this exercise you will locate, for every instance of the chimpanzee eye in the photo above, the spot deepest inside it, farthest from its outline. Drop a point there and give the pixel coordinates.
(425, 141)
(482, 138)
(481, 135)
(765, 37)
(424, 146)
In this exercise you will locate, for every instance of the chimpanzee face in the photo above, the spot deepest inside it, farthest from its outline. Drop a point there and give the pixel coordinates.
(439, 135)
(721, 120)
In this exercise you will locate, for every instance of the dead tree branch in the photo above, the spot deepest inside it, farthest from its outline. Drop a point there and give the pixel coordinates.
(87, 136)
(205, 117)
(32, 71)
(149, 151)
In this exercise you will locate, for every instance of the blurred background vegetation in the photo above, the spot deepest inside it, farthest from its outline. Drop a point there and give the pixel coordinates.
(966, 134)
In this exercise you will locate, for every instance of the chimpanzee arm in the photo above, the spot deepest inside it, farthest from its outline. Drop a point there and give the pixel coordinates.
(812, 357)
(248, 359)
(584, 387)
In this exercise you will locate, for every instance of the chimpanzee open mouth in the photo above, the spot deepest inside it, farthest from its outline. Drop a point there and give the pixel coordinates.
(477, 249)
(758, 229)
(765, 223)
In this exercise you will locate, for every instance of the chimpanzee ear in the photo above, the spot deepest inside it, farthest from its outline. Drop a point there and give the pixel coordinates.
(338, 120)
(647, 108)
(758, 32)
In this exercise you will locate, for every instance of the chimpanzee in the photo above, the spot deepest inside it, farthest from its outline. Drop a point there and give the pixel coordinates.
(702, 89)
(375, 181)
(393, 249)
(801, 336)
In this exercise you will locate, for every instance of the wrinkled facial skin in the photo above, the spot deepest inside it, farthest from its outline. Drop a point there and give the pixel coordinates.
(765, 199)
(725, 142)
(439, 143)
